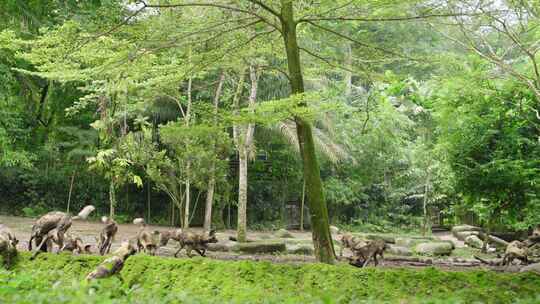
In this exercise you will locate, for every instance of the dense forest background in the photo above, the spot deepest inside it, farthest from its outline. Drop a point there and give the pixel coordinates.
(416, 121)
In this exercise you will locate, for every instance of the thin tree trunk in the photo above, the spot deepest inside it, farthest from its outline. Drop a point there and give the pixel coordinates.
(348, 73)
(186, 205)
(112, 198)
(322, 239)
(70, 189)
(185, 223)
(302, 206)
(212, 178)
(244, 142)
(149, 194)
(425, 203)
(242, 197)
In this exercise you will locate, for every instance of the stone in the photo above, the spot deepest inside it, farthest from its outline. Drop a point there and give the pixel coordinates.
(334, 230)
(261, 247)
(221, 246)
(399, 250)
(410, 242)
(300, 249)
(284, 234)
(386, 238)
(433, 248)
(458, 231)
(474, 241)
(531, 268)
(462, 235)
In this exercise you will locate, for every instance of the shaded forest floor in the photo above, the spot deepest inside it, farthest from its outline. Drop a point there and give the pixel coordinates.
(461, 258)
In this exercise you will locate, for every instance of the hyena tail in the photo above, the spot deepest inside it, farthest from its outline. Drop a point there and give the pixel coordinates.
(84, 213)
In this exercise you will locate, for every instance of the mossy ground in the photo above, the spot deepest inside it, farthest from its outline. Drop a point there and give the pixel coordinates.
(144, 279)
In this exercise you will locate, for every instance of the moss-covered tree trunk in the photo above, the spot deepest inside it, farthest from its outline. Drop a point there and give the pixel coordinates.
(322, 239)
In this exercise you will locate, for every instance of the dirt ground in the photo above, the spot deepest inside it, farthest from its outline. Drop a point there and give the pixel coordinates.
(89, 230)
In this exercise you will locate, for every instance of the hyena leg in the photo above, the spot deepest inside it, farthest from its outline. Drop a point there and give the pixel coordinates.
(179, 249)
(109, 244)
(201, 252)
(188, 251)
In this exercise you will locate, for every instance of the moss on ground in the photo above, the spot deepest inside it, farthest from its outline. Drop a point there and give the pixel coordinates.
(144, 279)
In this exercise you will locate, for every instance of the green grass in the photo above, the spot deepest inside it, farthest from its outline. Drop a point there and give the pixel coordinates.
(144, 279)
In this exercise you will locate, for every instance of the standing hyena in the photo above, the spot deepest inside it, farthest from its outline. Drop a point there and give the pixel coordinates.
(8, 245)
(61, 221)
(147, 241)
(107, 234)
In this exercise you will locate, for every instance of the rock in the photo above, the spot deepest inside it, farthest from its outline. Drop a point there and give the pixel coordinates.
(300, 249)
(261, 247)
(399, 250)
(410, 242)
(461, 228)
(449, 242)
(386, 238)
(456, 230)
(474, 241)
(284, 234)
(462, 235)
(531, 268)
(334, 230)
(221, 246)
(433, 248)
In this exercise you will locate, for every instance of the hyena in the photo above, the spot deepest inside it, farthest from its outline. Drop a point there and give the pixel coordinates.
(146, 240)
(515, 250)
(60, 221)
(8, 245)
(112, 265)
(194, 241)
(106, 236)
(363, 254)
(349, 241)
(75, 245)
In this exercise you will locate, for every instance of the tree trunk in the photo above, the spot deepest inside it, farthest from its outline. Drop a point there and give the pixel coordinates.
(187, 203)
(242, 196)
(70, 189)
(212, 178)
(322, 239)
(244, 140)
(427, 221)
(149, 194)
(348, 74)
(112, 198)
(302, 206)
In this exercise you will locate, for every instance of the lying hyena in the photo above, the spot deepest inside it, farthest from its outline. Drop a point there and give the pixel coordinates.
(516, 250)
(8, 245)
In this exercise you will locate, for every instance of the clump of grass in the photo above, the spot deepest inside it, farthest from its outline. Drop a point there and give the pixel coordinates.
(146, 279)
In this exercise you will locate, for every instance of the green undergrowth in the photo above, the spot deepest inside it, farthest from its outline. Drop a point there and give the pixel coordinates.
(144, 279)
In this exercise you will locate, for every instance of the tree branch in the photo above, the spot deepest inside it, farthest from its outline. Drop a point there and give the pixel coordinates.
(343, 36)
(213, 5)
(386, 19)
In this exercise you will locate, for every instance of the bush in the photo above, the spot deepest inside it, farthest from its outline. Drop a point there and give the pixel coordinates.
(146, 279)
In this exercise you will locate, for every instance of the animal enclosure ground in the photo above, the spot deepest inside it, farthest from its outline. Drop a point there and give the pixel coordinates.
(89, 230)
(144, 279)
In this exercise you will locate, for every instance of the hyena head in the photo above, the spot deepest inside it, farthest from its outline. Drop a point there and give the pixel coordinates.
(164, 238)
(211, 237)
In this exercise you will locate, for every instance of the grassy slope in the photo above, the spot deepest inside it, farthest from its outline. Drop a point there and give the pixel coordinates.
(144, 279)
